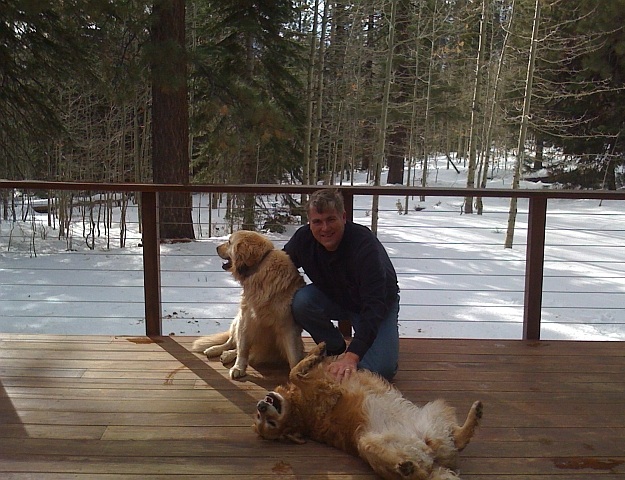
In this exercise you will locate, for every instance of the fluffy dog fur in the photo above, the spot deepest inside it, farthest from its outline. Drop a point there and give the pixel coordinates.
(366, 416)
(263, 330)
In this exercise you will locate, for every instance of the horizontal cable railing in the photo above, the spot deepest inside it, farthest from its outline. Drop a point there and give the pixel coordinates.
(456, 278)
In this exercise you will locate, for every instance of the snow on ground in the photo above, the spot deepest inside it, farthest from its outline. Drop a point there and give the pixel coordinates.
(456, 278)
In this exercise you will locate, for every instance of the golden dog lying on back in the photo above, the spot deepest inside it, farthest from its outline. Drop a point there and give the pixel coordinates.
(366, 416)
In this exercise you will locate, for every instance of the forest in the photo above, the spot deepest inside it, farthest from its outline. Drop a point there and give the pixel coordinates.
(309, 91)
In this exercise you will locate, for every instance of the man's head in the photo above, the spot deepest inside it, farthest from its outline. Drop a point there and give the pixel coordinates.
(327, 217)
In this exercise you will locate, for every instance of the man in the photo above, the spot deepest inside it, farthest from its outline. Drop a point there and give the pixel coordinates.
(352, 279)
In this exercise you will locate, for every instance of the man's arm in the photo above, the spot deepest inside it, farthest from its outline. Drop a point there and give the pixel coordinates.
(371, 276)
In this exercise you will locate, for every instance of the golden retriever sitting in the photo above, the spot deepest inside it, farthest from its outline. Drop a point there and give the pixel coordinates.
(366, 416)
(263, 330)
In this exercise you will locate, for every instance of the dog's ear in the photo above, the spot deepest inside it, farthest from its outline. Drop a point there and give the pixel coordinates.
(248, 251)
(295, 438)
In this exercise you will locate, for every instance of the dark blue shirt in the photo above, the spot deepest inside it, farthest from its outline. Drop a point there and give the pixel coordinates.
(358, 276)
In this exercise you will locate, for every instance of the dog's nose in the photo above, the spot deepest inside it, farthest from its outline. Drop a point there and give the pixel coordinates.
(262, 407)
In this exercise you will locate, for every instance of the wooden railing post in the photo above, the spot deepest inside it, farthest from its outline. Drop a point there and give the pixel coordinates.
(151, 263)
(534, 264)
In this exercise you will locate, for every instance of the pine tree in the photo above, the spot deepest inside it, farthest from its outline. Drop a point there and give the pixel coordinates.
(42, 44)
(248, 117)
(591, 80)
(170, 116)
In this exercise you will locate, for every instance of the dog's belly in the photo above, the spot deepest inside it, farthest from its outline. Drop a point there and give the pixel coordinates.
(389, 413)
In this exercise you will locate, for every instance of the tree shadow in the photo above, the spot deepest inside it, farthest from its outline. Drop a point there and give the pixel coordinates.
(269, 376)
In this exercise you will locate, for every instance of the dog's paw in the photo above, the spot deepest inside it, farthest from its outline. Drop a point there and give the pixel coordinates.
(318, 350)
(228, 356)
(479, 409)
(314, 358)
(212, 351)
(406, 468)
(442, 473)
(316, 355)
(236, 373)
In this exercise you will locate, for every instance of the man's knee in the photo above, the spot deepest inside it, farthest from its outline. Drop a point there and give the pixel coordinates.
(385, 367)
(388, 371)
(307, 307)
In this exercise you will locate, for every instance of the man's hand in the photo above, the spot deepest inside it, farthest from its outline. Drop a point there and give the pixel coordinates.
(344, 366)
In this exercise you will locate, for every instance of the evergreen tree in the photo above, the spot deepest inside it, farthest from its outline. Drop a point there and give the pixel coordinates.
(248, 113)
(42, 44)
(592, 85)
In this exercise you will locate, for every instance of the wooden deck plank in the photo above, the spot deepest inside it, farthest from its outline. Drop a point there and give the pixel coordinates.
(279, 473)
(287, 476)
(548, 374)
(104, 407)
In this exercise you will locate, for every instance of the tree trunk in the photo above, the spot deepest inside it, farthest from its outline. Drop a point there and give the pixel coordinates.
(309, 98)
(427, 119)
(538, 161)
(368, 140)
(493, 107)
(384, 116)
(413, 117)
(524, 122)
(316, 138)
(396, 154)
(249, 167)
(399, 135)
(476, 107)
(170, 117)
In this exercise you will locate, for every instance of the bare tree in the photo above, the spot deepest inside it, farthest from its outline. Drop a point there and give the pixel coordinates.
(318, 118)
(476, 108)
(428, 104)
(527, 98)
(309, 95)
(384, 116)
(493, 107)
(413, 116)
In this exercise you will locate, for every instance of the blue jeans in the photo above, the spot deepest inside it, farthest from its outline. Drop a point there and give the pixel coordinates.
(314, 312)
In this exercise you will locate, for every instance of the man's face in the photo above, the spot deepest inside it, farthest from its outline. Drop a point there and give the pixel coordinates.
(327, 227)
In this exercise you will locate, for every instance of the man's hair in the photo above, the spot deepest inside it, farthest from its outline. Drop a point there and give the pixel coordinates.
(326, 199)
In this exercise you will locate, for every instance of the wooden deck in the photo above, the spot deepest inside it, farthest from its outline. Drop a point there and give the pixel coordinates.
(134, 408)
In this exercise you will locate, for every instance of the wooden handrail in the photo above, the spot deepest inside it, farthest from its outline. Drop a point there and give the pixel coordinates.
(151, 254)
(263, 189)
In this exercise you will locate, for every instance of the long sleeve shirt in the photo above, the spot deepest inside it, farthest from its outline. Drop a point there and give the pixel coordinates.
(358, 276)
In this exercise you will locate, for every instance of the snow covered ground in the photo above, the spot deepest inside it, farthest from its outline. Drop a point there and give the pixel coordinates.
(457, 280)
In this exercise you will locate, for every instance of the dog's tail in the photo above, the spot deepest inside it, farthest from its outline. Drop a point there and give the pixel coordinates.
(203, 343)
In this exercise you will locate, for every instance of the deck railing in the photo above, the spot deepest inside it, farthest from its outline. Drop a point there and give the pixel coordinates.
(149, 193)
